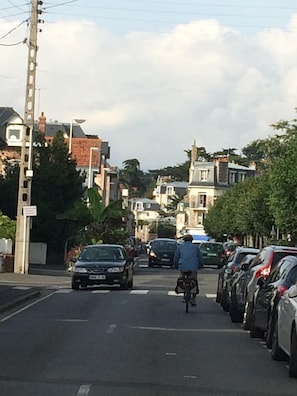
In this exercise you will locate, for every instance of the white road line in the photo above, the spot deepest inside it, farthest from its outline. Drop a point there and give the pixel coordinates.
(189, 330)
(170, 353)
(190, 376)
(26, 307)
(63, 291)
(84, 390)
(72, 320)
(22, 287)
(111, 328)
(172, 293)
(100, 291)
(210, 295)
(139, 291)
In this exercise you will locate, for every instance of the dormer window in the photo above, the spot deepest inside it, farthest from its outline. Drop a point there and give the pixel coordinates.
(14, 134)
(203, 175)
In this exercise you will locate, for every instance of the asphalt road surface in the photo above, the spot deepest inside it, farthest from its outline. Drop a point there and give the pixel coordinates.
(105, 341)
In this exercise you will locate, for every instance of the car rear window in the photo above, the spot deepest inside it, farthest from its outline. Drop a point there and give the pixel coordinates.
(164, 245)
(211, 246)
(279, 255)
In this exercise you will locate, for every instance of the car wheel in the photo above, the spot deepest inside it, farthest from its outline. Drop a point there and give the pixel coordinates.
(293, 356)
(124, 284)
(276, 352)
(235, 314)
(218, 296)
(130, 283)
(224, 300)
(247, 315)
(255, 332)
(75, 285)
(270, 331)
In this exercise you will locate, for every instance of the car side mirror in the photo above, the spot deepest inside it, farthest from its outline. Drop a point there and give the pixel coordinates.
(292, 292)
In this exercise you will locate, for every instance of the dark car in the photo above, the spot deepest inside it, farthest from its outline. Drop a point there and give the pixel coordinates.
(238, 289)
(103, 264)
(261, 266)
(213, 253)
(161, 251)
(226, 273)
(267, 295)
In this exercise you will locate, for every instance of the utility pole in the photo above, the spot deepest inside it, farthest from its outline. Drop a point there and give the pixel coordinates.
(24, 210)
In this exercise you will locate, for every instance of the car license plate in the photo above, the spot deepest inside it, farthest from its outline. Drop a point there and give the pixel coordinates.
(212, 254)
(97, 277)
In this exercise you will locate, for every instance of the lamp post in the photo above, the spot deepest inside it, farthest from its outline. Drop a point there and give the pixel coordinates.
(90, 165)
(78, 121)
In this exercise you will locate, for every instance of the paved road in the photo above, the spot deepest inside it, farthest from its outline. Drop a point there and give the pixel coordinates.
(106, 341)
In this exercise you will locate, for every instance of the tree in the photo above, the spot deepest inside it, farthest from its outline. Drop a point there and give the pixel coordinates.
(132, 177)
(7, 227)
(56, 186)
(107, 223)
(9, 189)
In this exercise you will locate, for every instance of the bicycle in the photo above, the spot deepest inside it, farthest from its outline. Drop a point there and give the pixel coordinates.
(186, 284)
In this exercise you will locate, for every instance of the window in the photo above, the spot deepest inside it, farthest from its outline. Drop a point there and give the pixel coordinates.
(202, 200)
(170, 190)
(139, 206)
(13, 134)
(232, 177)
(203, 175)
(200, 218)
(241, 176)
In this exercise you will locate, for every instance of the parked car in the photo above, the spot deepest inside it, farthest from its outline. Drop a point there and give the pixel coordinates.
(161, 251)
(261, 266)
(229, 248)
(213, 253)
(267, 296)
(238, 289)
(284, 343)
(226, 273)
(103, 264)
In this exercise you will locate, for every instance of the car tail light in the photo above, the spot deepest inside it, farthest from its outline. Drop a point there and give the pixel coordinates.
(281, 289)
(263, 272)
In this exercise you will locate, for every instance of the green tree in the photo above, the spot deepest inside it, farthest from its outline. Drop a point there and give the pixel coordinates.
(9, 181)
(107, 222)
(7, 227)
(56, 186)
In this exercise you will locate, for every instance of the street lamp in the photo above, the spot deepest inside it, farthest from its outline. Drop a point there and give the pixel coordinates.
(78, 121)
(90, 165)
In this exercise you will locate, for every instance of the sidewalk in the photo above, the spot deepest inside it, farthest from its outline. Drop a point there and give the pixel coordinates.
(18, 288)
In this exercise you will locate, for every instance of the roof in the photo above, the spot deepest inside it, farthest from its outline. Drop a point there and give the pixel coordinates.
(52, 128)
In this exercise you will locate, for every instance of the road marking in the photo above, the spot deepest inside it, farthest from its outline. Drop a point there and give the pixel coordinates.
(84, 390)
(71, 320)
(190, 376)
(22, 287)
(170, 353)
(63, 291)
(189, 330)
(139, 291)
(111, 328)
(100, 291)
(210, 295)
(172, 293)
(143, 265)
(26, 307)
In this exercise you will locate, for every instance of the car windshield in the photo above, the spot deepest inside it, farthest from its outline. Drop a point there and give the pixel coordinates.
(102, 253)
(168, 245)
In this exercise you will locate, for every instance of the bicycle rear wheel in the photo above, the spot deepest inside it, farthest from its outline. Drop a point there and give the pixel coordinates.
(187, 298)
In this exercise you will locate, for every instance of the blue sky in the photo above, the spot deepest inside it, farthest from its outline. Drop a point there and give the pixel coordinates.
(152, 76)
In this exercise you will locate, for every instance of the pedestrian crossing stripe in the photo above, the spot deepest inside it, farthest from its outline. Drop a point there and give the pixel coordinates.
(135, 292)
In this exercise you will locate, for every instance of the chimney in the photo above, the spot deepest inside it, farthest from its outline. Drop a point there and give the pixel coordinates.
(42, 123)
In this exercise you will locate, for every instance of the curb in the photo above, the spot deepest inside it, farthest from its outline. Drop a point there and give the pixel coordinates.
(19, 300)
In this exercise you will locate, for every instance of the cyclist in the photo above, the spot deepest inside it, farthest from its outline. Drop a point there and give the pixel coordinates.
(188, 258)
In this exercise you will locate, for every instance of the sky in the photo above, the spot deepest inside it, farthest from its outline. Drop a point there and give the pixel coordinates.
(152, 77)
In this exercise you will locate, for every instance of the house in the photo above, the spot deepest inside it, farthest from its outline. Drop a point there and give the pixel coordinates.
(145, 213)
(207, 181)
(166, 190)
(89, 151)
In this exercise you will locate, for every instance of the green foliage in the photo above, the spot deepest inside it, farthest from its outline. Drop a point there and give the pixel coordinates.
(107, 223)
(9, 182)
(56, 188)
(7, 227)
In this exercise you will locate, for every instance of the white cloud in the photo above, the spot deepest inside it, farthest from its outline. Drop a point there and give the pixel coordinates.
(152, 94)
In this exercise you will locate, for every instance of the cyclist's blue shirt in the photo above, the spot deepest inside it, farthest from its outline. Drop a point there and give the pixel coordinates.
(188, 257)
